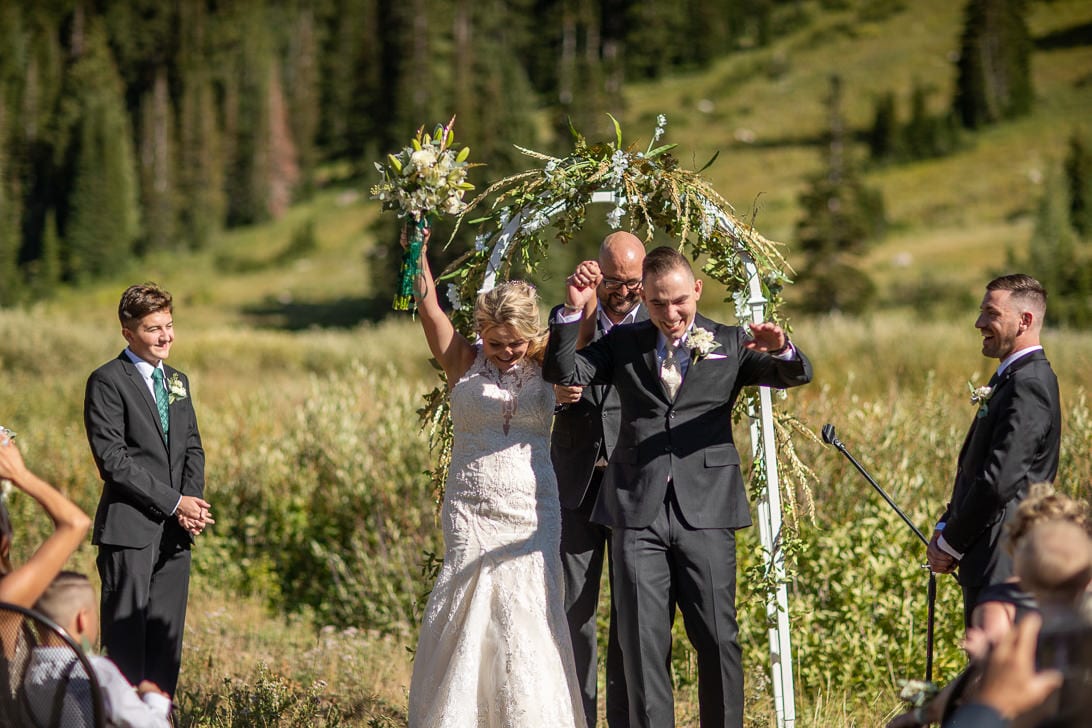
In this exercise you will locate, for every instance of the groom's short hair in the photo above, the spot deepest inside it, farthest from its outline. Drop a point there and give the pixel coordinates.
(140, 300)
(1023, 287)
(663, 260)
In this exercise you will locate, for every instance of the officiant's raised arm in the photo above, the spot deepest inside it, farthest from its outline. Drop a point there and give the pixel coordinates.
(451, 349)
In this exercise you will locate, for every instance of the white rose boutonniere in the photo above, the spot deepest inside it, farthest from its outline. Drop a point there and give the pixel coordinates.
(981, 397)
(175, 389)
(701, 343)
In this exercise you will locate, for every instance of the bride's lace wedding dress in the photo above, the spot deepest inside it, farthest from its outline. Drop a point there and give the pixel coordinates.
(494, 649)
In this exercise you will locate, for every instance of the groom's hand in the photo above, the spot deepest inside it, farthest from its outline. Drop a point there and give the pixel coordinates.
(580, 286)
(194, 514)
(768, 338)
(940, 561)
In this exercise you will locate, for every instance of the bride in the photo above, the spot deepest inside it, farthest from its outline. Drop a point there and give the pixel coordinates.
(494, 649)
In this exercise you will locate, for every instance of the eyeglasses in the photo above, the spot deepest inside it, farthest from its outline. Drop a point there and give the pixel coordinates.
(613, 284)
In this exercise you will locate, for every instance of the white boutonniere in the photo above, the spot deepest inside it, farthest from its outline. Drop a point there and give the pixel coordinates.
(980, 396)
(175, 389)
(701, 343)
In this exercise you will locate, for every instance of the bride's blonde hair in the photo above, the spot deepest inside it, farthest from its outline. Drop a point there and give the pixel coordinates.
(513, 304)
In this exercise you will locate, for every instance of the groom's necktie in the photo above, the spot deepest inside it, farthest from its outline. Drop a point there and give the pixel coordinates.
(160, 386)
(670, 373)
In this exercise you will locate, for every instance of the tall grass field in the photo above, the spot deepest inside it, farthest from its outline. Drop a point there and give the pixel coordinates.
(306, 591)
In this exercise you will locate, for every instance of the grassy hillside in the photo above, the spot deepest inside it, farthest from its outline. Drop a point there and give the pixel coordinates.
(951, 219)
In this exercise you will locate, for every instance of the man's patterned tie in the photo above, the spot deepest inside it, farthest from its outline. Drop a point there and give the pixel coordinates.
(670, 372)
(160, 386)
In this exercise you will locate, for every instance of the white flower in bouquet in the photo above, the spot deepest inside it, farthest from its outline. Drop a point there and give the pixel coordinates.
(426, 178)
(423, 160)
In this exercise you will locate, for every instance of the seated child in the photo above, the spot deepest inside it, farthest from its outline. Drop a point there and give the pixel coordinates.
(70, 602)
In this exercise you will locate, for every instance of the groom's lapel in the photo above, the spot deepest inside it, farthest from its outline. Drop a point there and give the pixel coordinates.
(172, 412)
(646, 345)
(136, 380)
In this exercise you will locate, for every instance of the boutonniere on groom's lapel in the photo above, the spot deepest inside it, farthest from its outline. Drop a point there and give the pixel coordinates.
(175, 389)
(701, 343)
(981, 397)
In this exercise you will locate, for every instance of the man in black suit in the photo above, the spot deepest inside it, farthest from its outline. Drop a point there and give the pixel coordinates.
(143, 434)
(673, 494)
(585, 430)
(1013, 441)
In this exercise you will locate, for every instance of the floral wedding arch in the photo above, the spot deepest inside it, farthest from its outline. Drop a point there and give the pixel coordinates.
(651, 191)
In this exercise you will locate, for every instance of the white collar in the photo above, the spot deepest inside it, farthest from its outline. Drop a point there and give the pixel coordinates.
(1014, 356)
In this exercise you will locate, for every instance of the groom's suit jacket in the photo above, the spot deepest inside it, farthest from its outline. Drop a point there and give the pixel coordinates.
(688, 441)
(1013, 444)
(583, 430)
(143, 477)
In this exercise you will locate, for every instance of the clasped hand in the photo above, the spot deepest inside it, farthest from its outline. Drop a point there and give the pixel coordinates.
(194, 514)
(580, 286)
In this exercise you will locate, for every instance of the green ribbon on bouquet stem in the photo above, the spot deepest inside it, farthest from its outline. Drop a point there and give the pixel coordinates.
(411, 266)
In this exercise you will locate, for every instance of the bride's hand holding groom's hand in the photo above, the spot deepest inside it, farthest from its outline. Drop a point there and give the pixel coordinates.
(580, 286)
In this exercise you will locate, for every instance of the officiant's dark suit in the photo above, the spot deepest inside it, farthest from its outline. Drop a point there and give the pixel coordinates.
(583, 437)
(673, 493)
(1013, 441)
(144, 552)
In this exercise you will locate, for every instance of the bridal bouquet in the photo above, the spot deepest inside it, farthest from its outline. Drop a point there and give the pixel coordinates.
(424, 180)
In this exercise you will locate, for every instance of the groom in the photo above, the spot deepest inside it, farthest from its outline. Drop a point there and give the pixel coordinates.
(673, 493)
(143, 434)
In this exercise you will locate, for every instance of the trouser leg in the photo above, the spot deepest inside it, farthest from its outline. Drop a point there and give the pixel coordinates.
(168, 596)
(126, 575)
(645, 600)
(705, 574)
(582, 545)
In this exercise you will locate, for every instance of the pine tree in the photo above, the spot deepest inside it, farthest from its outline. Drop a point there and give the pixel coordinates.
(159, 203)
(994, 68)
(883, 137)
(1058, 259)
(301, 87)
(1078, 174)
(247, 102)
(202, 159)
(102, 217)
(841, 217)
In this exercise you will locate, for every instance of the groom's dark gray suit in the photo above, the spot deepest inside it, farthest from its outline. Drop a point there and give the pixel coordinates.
(144, 554)
(673, 496)
(1014, 443)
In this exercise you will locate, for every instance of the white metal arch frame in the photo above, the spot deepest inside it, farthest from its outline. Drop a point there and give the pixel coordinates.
(764, 446)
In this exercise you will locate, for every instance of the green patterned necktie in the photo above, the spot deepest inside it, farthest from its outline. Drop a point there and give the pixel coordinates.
(160, 386)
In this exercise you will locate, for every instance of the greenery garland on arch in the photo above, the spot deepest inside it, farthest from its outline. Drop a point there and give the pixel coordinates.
(653, 194)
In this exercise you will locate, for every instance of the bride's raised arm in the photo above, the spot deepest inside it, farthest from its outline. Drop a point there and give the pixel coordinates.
(451, 349)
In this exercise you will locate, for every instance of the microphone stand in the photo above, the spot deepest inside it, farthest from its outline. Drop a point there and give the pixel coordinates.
(831, 438)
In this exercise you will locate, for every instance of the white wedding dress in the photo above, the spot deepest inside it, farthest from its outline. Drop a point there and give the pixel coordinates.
(494, 649)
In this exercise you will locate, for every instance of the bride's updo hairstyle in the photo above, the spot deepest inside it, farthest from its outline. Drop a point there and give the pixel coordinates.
(513, 304)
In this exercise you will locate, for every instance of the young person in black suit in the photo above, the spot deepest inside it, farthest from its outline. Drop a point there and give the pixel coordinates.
(585, 430)
(673, 494)
(1013, 441)
(143, 434)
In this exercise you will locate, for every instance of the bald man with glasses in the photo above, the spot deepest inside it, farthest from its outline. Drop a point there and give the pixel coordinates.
(585, 430)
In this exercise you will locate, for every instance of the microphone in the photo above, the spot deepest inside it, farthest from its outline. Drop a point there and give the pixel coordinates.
(829, 437)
